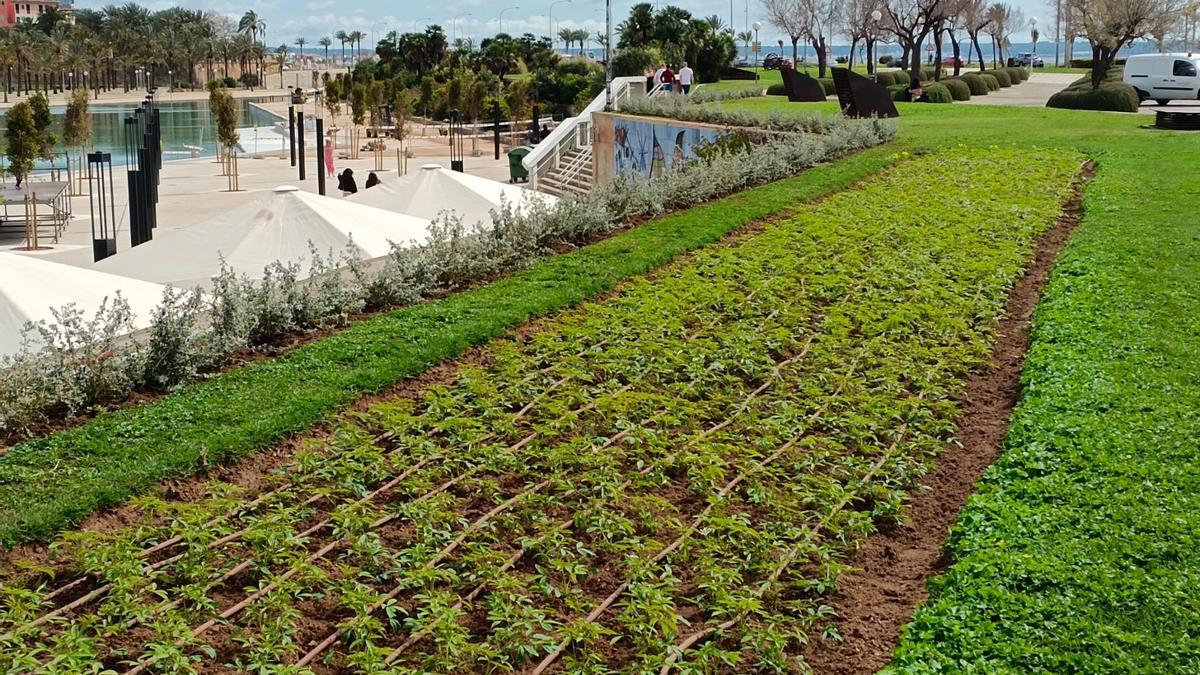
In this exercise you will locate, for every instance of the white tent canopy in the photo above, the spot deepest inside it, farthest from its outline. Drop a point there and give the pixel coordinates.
(31, 287)
(278, 227)
(434, 189)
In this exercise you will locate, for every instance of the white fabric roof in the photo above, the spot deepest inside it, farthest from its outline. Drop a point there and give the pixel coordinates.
(432, 189)
(277, 227)
(30, 287)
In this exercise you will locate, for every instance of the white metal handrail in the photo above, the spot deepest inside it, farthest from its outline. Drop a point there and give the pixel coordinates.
(572, 133)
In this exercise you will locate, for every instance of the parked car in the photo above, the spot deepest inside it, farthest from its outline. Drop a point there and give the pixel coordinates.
(949, 62)
(1028, 58)
(1164, 77)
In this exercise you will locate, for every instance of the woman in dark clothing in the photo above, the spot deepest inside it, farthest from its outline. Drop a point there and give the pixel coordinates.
(346, 182)
(372, 180)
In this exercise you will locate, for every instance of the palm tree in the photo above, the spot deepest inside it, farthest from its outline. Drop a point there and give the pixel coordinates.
(326, 43)
(281, 60)
(342, 37)
(251, 23)
(300, 42)
(715, 23)
(581, 36)
(745, 37)
(567, 36)
(356, 38)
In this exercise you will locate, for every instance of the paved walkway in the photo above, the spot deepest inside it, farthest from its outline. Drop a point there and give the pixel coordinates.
(193, 190)
(1033, 93)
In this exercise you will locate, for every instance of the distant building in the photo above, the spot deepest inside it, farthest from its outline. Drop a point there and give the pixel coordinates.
(13, 13)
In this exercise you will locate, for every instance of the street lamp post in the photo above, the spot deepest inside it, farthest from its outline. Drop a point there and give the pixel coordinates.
(455, 24)
(550, 14)
(1033, 33)
(876, 15)
(502, 16)
(757, 26)
(608, 69)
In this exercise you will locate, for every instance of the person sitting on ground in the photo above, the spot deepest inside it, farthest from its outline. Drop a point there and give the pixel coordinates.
(545, 130)
(346, 182)
(372, 180)
(916, 93)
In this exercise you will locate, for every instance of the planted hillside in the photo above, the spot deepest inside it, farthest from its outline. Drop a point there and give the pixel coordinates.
(662, 479)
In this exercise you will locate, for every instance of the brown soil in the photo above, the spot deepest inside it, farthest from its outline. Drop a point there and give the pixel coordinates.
(877, 599)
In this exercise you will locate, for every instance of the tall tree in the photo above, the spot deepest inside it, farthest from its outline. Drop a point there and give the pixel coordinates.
(326, 43)
(1109, 25)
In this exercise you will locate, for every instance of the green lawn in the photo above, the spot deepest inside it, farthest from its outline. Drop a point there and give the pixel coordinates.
(1079, 554)
(52, 483)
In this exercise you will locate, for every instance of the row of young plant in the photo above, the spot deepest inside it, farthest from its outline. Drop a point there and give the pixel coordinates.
(945, 89)
(78, 362)
(683, 449)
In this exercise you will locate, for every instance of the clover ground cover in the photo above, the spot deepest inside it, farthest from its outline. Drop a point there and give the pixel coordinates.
(661, 480)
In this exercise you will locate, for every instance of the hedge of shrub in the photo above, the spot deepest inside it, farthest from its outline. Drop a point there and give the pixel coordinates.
(1002, 77)
(898, 92)
(1087, 63)
(990, 80)
(1017, 75)
(939, 93)
(779, 90)
(902, 77)
(1113, 96)
(886, 79)
(976, 84)
(958, 89)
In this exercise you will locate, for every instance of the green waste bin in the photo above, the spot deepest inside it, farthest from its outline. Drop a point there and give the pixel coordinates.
(516, 170)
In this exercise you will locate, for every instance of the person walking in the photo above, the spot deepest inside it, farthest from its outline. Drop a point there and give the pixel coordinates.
(329, 155)
(668, 79)
(685, 78)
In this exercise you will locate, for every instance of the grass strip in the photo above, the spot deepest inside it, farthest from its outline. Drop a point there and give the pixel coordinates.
(52, 483)
(1079, 553)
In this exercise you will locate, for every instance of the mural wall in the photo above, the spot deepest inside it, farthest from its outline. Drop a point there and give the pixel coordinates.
(649, 147)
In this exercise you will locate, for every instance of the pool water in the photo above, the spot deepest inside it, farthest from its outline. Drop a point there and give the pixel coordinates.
(183, 124)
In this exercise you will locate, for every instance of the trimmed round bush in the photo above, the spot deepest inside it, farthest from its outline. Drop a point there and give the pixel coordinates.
(886, 60)
(958, 89)
(899, 92)
(776, 90)
(827, 85)
(990, 80)
(1016, 75)
(976, 84)
(886, 79)
(928, 73)
(1002, 77)
(1112, 96)
(902, 77)
(938, 93)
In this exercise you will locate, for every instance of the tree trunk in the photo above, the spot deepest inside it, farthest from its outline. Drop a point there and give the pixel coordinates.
(914, 62)
(853, 46)
(1099, 66)
(937, 50)
(957, 54)
(795, 59)
(906, 48)
(978, 49)
(822, 60)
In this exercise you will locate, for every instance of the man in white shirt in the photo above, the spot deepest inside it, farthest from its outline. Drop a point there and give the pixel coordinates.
(685, 78)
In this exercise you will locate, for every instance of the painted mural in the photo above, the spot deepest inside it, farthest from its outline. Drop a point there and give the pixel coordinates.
(649, 147)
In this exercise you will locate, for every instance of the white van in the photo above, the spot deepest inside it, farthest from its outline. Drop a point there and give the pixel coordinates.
(1164, 77)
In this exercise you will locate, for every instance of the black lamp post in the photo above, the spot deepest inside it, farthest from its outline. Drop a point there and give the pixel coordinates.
(102, 205)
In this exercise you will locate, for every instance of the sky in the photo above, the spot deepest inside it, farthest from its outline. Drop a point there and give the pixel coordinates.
(312, 19)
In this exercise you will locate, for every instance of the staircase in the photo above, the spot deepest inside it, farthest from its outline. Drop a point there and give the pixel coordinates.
(562, 162)
(573, 174)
